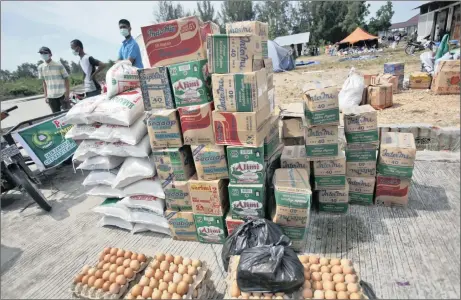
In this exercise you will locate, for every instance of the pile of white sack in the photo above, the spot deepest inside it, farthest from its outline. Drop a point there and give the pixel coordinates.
(114, 148)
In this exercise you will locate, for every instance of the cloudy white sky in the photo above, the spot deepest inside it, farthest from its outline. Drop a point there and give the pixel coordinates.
(28, 25)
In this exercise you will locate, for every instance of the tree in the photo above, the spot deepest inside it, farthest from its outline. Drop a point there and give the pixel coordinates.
(236, 10)
(355, 16)
(5, 75)
(65, 64)
(301, 17)
(326, 20)
(206, 11)
(382, 22)
(74, 68)
(167, 10)
(276, 14)
(26, 70)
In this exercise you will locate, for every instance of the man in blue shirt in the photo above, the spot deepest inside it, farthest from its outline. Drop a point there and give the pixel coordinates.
(129, 49)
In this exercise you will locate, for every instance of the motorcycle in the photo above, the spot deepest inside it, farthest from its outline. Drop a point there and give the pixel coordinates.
(75, 97)
(414, 46)
(15, 172)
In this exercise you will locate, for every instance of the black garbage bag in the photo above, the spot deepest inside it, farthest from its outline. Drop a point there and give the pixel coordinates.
(251, 234)
(270, 269)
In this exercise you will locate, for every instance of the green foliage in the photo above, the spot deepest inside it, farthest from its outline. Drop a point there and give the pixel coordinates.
(383, 18)
(355, 16)
(167, 10)
(206, 11)
(236, 10)
(277, 14)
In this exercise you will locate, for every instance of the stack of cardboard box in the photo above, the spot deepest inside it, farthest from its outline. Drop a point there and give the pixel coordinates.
(361, 131)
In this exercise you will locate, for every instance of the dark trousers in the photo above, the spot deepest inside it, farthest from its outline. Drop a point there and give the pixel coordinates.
(93, 93)
(56, 103)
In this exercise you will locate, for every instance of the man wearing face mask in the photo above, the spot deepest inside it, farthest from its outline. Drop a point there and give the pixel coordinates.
(129, 49)
(55, 81)
(88, 65)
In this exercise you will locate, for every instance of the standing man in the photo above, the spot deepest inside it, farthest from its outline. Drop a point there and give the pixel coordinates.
(129, 49)
(88, 65)
(55, 81)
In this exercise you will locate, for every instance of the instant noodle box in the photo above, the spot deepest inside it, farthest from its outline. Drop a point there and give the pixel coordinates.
(246, 201)
(294, 157)
(246, 165)
(177, 194)
(232, 224)
(361, 160)
(322, 141)
(321, 100)
(255, 27)
(361, 190)
(446, 79)
(196, 124)
(156, 88)
(210, 162)
(297, 235)
(163, 128)
(207, 28)
(392, 191)
(272, 140)
(210, 229)
(209, 197)
(182, 225)
(334, 201)
(361, 125)
(397, 154)
(174, 162)
(330, 173)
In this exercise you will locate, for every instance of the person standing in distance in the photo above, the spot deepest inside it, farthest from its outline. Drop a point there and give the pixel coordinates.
(88, 65)
(55, 81)
(129, 49)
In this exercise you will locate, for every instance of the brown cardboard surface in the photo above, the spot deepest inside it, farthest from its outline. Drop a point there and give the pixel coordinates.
(295, 157)
(182, 225)
(446, 79)
(209, 197)
(380, 96)
(163, 128)
(196, 124)
(420, 80)
(392, 191)
(386, 79)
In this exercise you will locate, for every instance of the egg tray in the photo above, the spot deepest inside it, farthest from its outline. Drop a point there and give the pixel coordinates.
(83, 291)
(202, 276)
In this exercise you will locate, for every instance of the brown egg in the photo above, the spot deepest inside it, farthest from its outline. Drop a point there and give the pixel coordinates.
(136, 290)
(85, 270)
(182, 270)
(113, 268)
(307, 275)
(307, 266)
(325, 269)
(112, 277)
(186, 261)
(155, 264)
(328, 286)
(355, 296)
(350, 278)
(324, 261)
(107, 258)
(126, 262)
(149, 272)
(182, 288)
(156, 294)
(78, 278)
(130, 297)
(348, 270)
(106, 286)
(114, 288)
(342, 295)
(176, 296)
(141, 258)
(100, 264)
(120, 253)
(163, 286)
(121, 279)
(187, 278)
(91, 280)
(144, 281)
(173, 268)
(327, 276)
(304, 259)
(134, 256)
(166, 295)
(338, 278)
(153, 283)
(113, 259)
(119, 261)
(98, 283)
(106, 250)
(168, 277)
(169, 258)
(113, 251)
(330, 295)
(315, 268)
(336, 269)
(318, 294)
(160, 256)
(351, 287)
(129, 273)
(307, 293)
(164, 266)
(135, 265)
(346, 262)
(335, 262)
(85, 279)
(98, 273)
(105, 275)
(147, 292)
(317, 276)
(340, 287)
(318, 285)
(192, 270)
(307, 284)
(196, 263)
(91, 271)
(235, 290)
(172, 288)
(127, 254)
(120, 270)
(158, 274)
(314, 259)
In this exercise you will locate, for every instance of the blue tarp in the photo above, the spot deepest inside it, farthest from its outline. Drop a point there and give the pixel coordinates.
(281, 58)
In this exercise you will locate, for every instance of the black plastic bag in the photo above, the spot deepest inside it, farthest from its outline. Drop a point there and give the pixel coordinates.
(270, 269)
(251, 234)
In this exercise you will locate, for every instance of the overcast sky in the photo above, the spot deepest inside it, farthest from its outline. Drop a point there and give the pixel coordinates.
(28, 25)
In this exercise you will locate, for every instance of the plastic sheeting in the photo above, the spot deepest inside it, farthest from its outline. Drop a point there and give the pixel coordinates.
(281, 57)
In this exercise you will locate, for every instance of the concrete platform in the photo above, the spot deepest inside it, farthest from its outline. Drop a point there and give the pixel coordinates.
(401, 253)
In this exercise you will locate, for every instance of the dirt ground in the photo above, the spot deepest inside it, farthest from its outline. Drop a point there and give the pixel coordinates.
(410, 106)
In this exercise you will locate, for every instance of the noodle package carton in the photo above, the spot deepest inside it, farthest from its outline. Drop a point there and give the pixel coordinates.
(174, 162)
(330, 174)
(207, 28)
(163, 128)
(397, 154)
(174, 41)
(210, 162)
(177, 194)
(361, 160)
(335, 201)
(255, 27)
(361, 190)
(246, 165)
(361, 125)
(156, 88)
(292, 120)
(293, 197)
(446, 79)
(247, 201)
(297, 235)
(196, 124)
(294, 157)
(210, 229)
(209, 197)
(232, 224)
(321, 100)
(380, 96)
(182, 225)
(272, 140)
(392, 191)
(322, 142)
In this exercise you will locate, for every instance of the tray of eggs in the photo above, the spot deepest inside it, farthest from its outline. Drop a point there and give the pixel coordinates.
(329, 279)
(171, 277)
(234, 292)
(110, 278)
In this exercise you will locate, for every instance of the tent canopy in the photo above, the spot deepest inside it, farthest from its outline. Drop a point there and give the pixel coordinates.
(287, 40)
(358, 35)
(281, 57)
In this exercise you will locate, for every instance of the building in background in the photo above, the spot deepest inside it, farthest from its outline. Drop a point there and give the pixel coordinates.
(438, 18)
(406, 28)
(295, 39)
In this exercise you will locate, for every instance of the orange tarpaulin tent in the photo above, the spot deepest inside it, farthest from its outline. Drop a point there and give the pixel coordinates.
(358, 35)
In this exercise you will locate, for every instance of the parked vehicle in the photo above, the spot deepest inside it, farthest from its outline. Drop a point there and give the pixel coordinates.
(414, 46)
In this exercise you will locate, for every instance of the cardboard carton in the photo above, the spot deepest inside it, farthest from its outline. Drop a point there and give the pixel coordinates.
(361, 190)
(177, 194)
(246, 165)
(210, 229)
(368, 78)
(207, 28)
(322, 103)
(392, 191)
(173, 41)
(156, 88)
(255, 27)
(240, 92)
(210, 162)
(322, 141)
(361, 160)
(292, 120)
(269, 65)
(397, 154)
(330, 174)
(420, 80)
(387, 79)
(380, 96)
(196, 124)
(182, 225)
(297, 235)
(446, 79)
(271, 98)
(232, 224)
(271, 141)
(293, 197)
(174, 162)
(209, 197)
(234, 53)
(241, 129)
(334, 201)
(191, 83)
(361, 125)
(394, 68)
(163, 128)
(292, 127)
(246, 201)
(294, 157)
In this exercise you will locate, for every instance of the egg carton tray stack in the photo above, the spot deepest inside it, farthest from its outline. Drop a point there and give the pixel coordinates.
(82, 290)
(148, 286)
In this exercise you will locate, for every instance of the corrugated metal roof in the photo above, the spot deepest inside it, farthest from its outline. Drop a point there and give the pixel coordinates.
(411, 22)
(298, 38)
